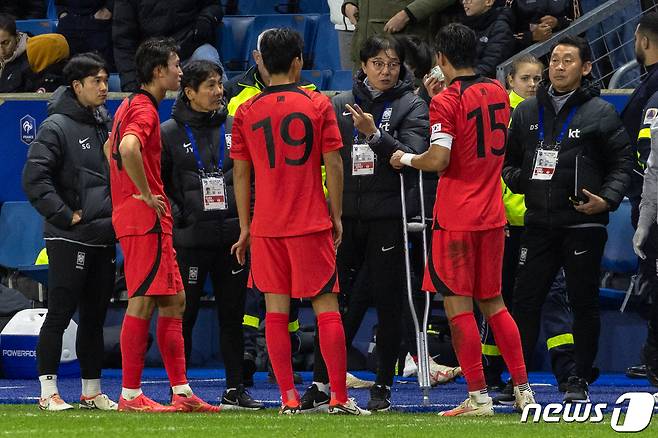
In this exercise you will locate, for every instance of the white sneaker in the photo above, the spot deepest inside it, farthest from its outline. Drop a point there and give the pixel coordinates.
(354, 382)
(349, 408)
(440, 374)
(471, 408)
(522, 399)
(410, 367)
(101, 402)
(53, 403)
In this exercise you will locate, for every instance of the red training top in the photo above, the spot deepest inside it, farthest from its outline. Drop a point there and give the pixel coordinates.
(284, 131)
(475, 112)
(137, 115)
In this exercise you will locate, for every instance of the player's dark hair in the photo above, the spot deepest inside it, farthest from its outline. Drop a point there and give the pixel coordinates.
(8, 24)
(457, 43)
(376, 43)
(152, 53)
(649, 25)
(279, 47)
(418, 54)
(525, 59)
(82, 66)
(196, 72)
(581, 44)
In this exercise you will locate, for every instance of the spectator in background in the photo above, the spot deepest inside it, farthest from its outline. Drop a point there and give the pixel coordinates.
(87, 26)
(345, 30)
(195, 145)
(405, 16)
(30, 64)
(537, 20)
(614, 38)
(24, 9)
(191, 23)
(66, 178)
(493, 29)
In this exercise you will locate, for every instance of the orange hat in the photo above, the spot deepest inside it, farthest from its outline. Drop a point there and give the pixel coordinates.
(45, 50)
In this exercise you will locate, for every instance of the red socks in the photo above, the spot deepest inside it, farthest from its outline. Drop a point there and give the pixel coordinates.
(172, 348)
(506, 334)
(134, 336)
(334, 352)
(279, 350)
(467, 345)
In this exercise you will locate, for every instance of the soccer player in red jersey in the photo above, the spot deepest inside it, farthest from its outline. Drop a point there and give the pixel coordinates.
(142, 220)
(468, 123)
(284, 134)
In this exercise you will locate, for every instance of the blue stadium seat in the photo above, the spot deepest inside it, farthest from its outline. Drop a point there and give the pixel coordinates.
(233, 49)
(618, 256)
(233, 73)
(52, 10)
(21, 239)
(320, 78)
(114, 82)
(326, 53)
(306, 25)
(37, 26)
(341, 80)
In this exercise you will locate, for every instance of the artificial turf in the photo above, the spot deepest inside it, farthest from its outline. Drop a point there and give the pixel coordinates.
(27, 420)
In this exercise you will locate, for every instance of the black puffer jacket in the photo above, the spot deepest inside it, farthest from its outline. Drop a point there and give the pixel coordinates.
(495, 41)
(193, 227)
(66, 171)
(377, 196)
(191, 23)
(595, 132)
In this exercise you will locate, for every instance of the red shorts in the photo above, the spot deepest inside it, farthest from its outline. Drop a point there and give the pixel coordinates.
(150, 265)
(299, 266)
(466, 263)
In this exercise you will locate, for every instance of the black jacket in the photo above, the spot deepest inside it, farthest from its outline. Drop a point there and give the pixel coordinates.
(377, 196)
(526, 12)
(495, 41)
(66, 171)
(595, 132)
(82, 7)
(191, 23)
(194, 227)
(24, 9)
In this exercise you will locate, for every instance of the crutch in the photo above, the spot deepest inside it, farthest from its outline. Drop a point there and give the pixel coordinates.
(421, 331)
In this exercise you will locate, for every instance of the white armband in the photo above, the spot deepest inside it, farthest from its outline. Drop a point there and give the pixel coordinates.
(406, 159)
(442, 139)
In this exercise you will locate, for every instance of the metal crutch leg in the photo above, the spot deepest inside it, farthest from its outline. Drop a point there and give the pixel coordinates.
(421, 331)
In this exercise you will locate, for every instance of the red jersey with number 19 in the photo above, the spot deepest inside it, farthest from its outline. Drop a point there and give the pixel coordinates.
(283, 132)
(475, 112)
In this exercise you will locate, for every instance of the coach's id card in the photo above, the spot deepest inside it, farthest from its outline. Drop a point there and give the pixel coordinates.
(214, 193)
(545, 164)
(363, 160)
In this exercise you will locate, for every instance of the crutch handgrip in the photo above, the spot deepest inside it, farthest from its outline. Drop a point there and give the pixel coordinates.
(415, 227)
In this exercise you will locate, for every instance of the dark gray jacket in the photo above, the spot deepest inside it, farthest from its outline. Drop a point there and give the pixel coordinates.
(377, 196)
(66, 171)
(193, 227)
(596, 133)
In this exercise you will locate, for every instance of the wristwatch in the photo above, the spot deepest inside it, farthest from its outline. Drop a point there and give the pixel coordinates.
(374, 137)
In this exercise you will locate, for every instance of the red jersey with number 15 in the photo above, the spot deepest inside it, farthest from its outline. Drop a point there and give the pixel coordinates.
(283, 132)
(475, 112)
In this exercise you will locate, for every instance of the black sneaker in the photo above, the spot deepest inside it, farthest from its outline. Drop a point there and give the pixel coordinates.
(637, 372)
(577, 390)
(380, 398)
(314, 400)
(506, 396)
(239, 399)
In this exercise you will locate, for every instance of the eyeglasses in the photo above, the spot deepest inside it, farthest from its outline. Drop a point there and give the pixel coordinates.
(379, 65)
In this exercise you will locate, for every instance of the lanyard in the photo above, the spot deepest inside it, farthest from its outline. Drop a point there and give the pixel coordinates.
(387, 108)
(195, 149)
(567, 122)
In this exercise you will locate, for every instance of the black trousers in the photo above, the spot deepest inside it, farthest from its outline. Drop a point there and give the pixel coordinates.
(542, 253)
(229, 282)
(377, 247)
(79, 277)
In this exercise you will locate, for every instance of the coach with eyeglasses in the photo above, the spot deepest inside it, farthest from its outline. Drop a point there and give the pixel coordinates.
(569, 154)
